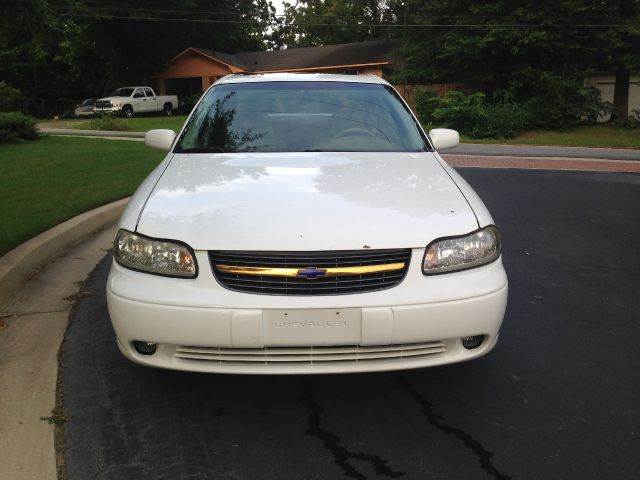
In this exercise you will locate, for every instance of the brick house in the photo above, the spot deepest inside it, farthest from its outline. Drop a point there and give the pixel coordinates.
(193, 70)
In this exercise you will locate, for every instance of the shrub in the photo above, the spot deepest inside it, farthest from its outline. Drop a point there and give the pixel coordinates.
(15, 127)
(471, 115)
(553, 101)
(9, 97)
(501, 120)
(109, 122)
(426, 103)
(632, 121)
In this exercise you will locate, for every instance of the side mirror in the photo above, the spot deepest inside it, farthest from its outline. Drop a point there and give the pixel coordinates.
(161, 139)
(444, 138)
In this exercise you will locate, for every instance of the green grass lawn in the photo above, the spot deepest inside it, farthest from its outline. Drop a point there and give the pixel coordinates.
(135, 124)
(47, 181)
(588, 136)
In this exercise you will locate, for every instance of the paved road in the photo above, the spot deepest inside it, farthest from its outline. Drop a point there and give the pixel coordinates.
(543, 151)
(558, 398)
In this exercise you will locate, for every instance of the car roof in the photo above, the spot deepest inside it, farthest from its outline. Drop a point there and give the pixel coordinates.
(300, 77)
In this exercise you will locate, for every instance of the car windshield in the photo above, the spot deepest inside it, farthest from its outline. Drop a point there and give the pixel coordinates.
(302, 117)
(122, 92)
(88, 102)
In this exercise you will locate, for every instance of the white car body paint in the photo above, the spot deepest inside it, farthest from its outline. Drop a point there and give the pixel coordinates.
(305, 201)
(310, 201)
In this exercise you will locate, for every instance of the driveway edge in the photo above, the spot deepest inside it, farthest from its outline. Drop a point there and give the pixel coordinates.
(17, 266)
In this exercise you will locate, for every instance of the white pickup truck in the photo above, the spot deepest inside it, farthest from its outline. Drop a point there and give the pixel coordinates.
(128, 101)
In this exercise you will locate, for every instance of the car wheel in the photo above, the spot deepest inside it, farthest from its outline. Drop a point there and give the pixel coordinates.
(167, 110)
(127, 111)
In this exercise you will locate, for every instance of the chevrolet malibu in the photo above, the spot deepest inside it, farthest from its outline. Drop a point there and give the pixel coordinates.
(305, 224)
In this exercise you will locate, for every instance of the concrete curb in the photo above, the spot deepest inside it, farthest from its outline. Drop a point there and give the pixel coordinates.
(91, 133)
(17, 266)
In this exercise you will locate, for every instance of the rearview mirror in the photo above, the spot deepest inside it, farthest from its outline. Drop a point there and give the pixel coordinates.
(161, 139)
(444, 138)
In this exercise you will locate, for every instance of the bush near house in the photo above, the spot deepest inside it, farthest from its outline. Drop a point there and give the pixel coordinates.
(550, 103)
(16, 127)
(472, 115)
(632, 121)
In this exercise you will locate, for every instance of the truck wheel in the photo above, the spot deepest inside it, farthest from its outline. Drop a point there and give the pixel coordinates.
(167, 110)
(127, 111)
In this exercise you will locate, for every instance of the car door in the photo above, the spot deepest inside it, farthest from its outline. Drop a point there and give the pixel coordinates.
(139, 101)
(152, 100)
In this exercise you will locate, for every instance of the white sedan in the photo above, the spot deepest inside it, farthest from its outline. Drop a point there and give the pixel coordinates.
(305, 224)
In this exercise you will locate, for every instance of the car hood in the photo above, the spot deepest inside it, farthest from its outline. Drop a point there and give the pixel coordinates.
(305, 201)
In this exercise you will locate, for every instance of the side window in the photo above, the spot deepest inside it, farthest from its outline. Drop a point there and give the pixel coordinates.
(138, 93)
(149, 92)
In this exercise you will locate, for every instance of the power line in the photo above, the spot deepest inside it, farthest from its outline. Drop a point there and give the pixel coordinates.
(429, 17)
(365, 25)
(235, 12)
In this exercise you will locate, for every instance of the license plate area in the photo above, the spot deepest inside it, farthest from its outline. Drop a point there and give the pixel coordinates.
(312, 327)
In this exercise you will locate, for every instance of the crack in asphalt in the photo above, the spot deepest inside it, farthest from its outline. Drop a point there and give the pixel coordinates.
(484, 456)
(331, 442)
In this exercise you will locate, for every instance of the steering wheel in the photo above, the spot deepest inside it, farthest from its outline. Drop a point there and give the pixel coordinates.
(354, 131)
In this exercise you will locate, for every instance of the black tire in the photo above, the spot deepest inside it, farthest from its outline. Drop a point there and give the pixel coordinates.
(127, 111)
(167, 110)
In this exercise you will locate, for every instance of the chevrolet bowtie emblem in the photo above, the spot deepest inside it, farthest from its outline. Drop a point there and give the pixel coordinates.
(311, 273)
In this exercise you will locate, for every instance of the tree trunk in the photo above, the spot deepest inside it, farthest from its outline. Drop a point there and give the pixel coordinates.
(621, 94)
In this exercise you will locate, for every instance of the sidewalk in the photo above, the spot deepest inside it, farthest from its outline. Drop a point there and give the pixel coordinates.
(32, 326)
(545, 151)
(91, 133)
(539, 163)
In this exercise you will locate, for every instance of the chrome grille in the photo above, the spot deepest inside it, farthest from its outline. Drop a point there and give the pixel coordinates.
(309, 355)
(324, 285)
(103, 104)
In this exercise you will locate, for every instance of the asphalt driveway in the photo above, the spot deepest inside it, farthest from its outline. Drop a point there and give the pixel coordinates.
(558, 398)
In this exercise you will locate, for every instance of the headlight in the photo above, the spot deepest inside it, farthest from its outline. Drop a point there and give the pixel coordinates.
(460, 253)
(162, 257)
(117, 105)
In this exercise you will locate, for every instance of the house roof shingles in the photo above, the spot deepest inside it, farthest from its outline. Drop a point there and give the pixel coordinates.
(363, 53)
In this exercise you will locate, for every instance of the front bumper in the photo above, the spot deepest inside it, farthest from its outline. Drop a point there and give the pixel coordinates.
(200, 326)
(107, 110)
(84, 113)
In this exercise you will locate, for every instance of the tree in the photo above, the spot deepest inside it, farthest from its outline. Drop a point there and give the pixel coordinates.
(504, 42)
(78, 48)
(622, 52)
(324, 22)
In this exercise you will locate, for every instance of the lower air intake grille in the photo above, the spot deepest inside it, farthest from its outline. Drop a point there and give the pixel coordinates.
(310, 273)
(309, 355)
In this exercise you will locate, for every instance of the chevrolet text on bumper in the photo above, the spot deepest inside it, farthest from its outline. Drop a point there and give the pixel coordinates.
(305, 224)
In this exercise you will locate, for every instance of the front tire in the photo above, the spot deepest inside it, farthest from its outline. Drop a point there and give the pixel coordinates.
(127, 111)
(167, 110)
